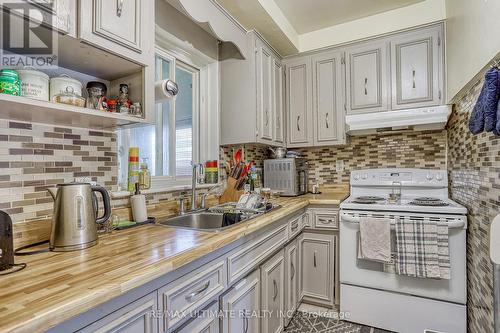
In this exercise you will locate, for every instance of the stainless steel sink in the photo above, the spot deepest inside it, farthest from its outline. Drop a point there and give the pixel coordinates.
(200, 221)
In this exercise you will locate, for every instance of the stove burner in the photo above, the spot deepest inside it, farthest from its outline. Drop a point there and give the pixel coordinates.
(369, 198)
(426, 201)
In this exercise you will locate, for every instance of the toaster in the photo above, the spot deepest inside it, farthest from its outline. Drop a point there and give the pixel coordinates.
(289, 176)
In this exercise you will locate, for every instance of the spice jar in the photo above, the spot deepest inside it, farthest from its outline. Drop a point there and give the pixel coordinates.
(211, 172)
(9, 82)
(96, 96)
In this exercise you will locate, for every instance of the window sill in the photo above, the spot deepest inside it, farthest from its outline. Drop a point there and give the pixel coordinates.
(126, 194)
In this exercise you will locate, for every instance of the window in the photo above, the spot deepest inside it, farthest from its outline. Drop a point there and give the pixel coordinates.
(170, 145)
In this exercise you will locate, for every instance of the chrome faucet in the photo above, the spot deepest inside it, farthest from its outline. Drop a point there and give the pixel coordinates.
(194, 181)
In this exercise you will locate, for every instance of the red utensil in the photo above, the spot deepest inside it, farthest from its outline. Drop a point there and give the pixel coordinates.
(237, 156)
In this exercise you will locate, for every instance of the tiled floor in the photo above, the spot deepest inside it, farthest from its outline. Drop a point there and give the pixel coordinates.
(306, 322)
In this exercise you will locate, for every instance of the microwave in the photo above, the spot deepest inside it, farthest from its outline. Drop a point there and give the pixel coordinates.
(289, 176)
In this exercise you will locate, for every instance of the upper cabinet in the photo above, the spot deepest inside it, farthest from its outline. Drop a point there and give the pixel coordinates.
(124, 27)
(315, 100)
(252, 96)
(299, 102)
(328, 99)
(417, 69)
(367, 77)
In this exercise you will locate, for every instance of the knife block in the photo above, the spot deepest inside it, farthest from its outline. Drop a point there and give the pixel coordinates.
(231, 194)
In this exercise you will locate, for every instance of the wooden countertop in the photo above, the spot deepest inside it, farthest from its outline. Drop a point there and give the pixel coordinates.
(56, 286)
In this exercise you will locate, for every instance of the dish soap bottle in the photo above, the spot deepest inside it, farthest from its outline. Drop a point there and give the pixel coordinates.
(144, 175)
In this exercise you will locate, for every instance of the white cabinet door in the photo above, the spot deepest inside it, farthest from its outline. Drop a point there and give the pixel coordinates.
(416, 65)
(136, 317)
(298, 101)
(278, 110)
(264, 92)
(328, 99)
(317, 266)
(242, 302)
(291, 280)
(273, 298)
(122, 27)
(207, 322)
(367, 73)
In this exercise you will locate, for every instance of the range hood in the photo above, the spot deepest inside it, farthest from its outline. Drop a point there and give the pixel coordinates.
(430, 118)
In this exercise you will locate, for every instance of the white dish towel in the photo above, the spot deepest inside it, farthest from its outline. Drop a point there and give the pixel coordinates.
(375, 239)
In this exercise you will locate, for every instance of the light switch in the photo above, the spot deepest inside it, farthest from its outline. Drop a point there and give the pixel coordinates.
(339, 166)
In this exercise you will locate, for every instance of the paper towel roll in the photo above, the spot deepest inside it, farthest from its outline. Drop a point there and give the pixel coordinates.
(165, 90)
(139, 210)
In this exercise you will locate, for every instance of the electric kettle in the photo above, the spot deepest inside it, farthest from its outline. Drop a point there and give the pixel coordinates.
(74, 223)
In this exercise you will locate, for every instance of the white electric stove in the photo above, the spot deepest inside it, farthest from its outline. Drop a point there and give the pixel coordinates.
(371, 292)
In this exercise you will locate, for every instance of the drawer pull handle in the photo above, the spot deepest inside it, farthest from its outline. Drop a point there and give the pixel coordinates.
(295, 225)
(298, 126)
(267, 117)
(293, 271)
(275, 286)
(327, 124)
(414, 83)
(245, 323)
(119, 8)
(366, 86)
(314, 259)
(197, 292)
(326, 221)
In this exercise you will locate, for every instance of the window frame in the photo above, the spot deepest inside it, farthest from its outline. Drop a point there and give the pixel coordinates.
(163, 182)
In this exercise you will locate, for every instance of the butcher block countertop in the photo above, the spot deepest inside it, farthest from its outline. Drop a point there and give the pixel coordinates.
(57, 286)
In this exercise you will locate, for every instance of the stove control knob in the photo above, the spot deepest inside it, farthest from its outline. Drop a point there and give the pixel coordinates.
(429, 176)
(364, 176)
(439, 177)
(356, 176)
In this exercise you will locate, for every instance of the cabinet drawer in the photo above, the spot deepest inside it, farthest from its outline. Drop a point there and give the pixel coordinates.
(185, 295)
(206, 322)
(295, 226)
(242, 262)
(326, 220)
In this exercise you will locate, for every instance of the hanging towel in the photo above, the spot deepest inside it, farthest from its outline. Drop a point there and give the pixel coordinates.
(422, 248)
(375, 239)
(483, 116)
(496, 130)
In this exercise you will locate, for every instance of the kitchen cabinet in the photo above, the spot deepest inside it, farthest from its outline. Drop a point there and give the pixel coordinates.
(273, 298)
(328, 99)
(291, 280)
(124, 27)
(136, 317)
(317, 252)
(299, 102)
(367, 77)
(207, 322)
(243, 303)
(252, 96)
(265, 67)
(417, 68)
(278, 107)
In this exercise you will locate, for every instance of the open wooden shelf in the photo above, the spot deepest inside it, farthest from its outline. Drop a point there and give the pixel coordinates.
(31, 110)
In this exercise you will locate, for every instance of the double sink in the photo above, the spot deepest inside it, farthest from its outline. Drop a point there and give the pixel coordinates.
(210, 220)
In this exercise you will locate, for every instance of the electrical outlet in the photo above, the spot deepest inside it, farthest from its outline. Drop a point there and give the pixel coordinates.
(339, 166)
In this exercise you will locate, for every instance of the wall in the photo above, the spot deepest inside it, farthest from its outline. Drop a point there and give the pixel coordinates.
(472, 39)
(475, 183)
(404, 150)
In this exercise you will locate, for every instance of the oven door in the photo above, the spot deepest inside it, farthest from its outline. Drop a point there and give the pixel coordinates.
(369, 274)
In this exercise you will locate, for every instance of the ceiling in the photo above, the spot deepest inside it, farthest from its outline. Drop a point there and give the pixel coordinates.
(311, 15)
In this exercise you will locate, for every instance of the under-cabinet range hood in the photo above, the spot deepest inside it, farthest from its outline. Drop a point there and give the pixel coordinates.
(429, 118)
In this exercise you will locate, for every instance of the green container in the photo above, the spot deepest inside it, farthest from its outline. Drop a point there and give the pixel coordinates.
(9, 82)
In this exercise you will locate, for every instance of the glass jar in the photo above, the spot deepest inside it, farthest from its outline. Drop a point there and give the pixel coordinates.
(10, 83)
(96, 96)
(144, 175)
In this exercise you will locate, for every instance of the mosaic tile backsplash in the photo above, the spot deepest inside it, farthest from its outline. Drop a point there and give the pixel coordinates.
(34, 157)
(474, 169)
(425, 149)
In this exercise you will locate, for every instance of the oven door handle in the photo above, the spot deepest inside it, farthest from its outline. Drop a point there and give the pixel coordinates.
(453, 224)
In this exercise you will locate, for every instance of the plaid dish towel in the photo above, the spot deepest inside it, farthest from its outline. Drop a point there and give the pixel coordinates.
(422, 248)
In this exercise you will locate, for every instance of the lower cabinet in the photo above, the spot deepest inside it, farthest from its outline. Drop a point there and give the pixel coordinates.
(272, 276)
(317, 267)
(206, 322)
(136, 317)
(291, 280)
(241, 305)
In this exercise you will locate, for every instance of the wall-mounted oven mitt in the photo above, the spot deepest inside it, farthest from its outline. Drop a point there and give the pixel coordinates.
(478, 116)
(492, 83)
